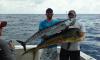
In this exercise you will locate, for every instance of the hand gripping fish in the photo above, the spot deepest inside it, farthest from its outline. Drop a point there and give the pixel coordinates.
(46, 32)
(67, 35)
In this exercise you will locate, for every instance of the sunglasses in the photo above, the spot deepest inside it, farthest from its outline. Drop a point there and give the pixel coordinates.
(71, 14)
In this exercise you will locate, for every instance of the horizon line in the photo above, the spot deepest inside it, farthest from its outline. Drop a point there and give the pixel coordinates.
(54, 14)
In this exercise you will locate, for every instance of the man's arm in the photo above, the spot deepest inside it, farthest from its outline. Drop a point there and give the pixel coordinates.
(83, 31)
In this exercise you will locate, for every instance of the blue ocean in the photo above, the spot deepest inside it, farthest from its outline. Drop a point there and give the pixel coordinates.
(22, 26)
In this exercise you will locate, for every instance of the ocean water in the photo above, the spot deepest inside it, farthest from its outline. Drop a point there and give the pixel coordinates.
(22, 26)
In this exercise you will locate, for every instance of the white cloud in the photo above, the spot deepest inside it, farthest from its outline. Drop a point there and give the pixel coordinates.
(59, 6)
(17, 6)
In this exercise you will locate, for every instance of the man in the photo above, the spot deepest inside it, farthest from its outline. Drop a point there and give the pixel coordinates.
(6, 48)
(48, 53)
(71, 51)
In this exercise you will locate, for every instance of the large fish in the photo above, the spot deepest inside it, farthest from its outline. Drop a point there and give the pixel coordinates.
(46, 32)
(67, 35)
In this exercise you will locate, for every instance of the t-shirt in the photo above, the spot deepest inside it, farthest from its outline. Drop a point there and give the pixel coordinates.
(74, 45)
(45, 24)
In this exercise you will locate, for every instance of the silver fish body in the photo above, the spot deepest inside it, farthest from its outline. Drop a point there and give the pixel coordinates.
(46, 32)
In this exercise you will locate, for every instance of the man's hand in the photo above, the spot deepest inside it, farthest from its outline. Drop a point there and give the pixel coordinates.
(60, 41)
(45, 37)
(11, 45)
(82, 35)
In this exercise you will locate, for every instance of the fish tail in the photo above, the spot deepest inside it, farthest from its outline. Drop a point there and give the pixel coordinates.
(33, 50)
(22, 43)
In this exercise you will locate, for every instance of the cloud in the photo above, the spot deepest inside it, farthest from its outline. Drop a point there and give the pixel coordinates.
(63, 6)
(17, 6)
(35, 1)
(59, 6)
(38, 1)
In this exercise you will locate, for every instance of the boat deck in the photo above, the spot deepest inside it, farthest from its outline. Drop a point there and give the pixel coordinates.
(29, 56)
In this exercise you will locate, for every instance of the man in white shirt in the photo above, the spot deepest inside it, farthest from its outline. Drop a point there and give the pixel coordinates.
(71, 50)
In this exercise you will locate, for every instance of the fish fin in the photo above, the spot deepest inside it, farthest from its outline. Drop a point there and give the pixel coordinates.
(32, 50)
(22, 43)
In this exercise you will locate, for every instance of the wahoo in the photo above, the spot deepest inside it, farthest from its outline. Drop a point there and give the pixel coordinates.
(67, 35)
(46, 32)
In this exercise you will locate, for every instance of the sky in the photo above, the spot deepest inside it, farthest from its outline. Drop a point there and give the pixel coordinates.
(39, 6)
